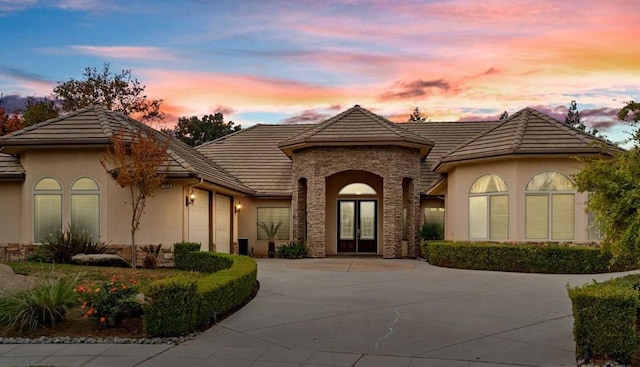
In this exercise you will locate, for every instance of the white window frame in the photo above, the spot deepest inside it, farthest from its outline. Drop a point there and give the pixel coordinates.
(87, 192)
(549, 194)
(488, 196)
(284, 232)
(37, 192)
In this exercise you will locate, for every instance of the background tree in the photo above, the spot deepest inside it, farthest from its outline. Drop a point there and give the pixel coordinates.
(135, 160)
(615, 192)
(9, 123)
(36, 111)
(573, 117)
(504, 115)
(416, 116)
(195, 131)
(117, 92)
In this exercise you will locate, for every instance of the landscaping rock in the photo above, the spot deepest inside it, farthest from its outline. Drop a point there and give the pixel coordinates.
(100, 260)
(9, 281)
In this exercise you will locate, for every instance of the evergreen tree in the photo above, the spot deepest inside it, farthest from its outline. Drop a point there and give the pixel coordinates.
(416, 116)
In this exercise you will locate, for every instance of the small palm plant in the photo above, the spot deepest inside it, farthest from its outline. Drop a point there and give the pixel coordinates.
(271, 231)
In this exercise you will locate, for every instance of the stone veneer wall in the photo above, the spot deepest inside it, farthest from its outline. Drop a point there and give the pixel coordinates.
(392, 163)
(14, 252)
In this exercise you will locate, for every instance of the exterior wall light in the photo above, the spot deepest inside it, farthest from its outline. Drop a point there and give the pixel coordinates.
(189, 200)
(237, 207)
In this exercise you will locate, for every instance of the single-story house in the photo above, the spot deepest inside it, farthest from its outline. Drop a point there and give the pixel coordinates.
(356, 183)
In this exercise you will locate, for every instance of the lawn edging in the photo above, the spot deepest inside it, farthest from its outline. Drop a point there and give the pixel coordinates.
(523, 258)
(605, 317)
(183, 304)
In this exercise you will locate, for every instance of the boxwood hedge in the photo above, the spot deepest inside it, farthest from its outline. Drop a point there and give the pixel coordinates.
(524, 258)
(182, 304)
(605, 317)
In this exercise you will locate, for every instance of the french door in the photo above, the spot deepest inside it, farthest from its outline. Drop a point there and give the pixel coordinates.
(358, 226)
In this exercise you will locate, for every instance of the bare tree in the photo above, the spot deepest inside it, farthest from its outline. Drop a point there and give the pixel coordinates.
(135, 161)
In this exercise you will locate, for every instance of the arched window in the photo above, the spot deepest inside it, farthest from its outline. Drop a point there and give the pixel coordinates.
(85, 206)
(489, 209)
(550, 207)
(47, 208)
(357, 189)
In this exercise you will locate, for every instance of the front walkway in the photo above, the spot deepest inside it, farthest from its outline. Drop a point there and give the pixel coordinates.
(364, 312)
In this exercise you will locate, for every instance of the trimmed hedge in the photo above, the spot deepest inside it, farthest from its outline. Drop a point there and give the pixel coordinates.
(183, 304)
(605, 317)
(522, 258)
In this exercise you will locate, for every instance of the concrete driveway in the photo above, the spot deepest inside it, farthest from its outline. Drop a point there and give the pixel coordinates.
(374, 312)
(364, 312)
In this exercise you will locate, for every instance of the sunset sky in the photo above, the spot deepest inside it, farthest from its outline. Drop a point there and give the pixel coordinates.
(301, 61)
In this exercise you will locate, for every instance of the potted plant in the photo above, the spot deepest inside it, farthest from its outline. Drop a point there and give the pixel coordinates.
(271, 230)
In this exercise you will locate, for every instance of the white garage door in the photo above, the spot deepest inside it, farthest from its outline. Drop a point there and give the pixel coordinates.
(199, 219)
(223, 223)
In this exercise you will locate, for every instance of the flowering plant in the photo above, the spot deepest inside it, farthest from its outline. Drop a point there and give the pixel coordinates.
(108, 303)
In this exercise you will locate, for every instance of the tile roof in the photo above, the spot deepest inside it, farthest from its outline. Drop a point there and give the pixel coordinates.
(253, 156)
(528, 131)
(96, 125)
(446, 137)
(356, 126)
(10, 167)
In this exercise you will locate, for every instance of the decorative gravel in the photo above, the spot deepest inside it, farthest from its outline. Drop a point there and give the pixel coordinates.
(601, 364)
(116, 340)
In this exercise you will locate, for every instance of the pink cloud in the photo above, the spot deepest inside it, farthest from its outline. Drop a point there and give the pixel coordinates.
(306, 117)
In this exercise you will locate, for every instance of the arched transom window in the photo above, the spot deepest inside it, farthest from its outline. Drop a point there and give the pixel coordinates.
(550, 207)
(47, 208)
(357, 189)
(85, 206)
(489, 208)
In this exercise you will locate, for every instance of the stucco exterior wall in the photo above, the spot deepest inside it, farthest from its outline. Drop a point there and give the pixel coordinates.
(516, 173)
(161, 222)
(248, 219)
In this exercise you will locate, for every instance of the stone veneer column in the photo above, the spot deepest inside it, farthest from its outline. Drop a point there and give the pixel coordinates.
(392, 217)
(298, 209)
(413, 218)
(316, 207)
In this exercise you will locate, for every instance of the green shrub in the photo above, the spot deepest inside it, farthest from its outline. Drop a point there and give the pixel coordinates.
(181, 247)
(108, 303)
(605, 320)
(61, 246)
(204, 262)
(39, 255)
(292, 250)
(432, 232)
(170, 306)
(46, 304)
(522, 258)
(182, 304)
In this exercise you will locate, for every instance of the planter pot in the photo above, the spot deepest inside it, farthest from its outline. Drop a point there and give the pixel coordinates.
(272, 250)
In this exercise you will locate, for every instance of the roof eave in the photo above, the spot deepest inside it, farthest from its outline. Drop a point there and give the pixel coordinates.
(12, 176)
(442, 165)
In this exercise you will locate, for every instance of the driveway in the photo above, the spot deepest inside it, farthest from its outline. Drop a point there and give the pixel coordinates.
(374, 312)
(364, 312)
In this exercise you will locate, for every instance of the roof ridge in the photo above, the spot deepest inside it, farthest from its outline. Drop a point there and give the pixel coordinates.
(384, 122)
(471, 139)
(523, 119)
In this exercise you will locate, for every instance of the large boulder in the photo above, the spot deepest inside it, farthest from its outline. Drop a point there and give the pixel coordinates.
(100, 260)
(9, 281)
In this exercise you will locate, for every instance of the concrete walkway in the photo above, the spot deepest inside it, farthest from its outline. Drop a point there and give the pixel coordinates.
(364, 312)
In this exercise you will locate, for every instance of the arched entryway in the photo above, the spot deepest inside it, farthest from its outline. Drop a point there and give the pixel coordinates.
(354, 204)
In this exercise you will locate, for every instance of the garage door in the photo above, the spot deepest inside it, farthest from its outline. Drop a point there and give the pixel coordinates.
(223, 223)
(199, 219)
